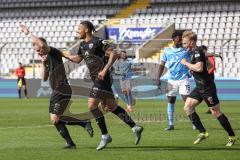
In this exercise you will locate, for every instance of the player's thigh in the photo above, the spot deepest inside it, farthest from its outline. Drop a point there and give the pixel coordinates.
(24, 82)
(125, 86)
(192, 101)
(184, 87)
(173, 88)
(212, 101)
(128, 86)
(93, 103)
(110, 103)
(58, 103)
(190, 105)
(210, 96)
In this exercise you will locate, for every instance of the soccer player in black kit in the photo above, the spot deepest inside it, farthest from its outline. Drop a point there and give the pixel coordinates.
(99, 57)
(52, 68)
(205, 90)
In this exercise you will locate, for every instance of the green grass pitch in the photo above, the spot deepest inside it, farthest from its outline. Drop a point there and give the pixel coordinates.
(26, 133)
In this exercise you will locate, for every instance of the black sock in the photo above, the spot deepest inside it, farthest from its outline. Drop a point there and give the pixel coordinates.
(223, 120)
(62, 129)
(19, 93)
(98, 115)
(123, 115)
(25, 92)
(197, 122)
(73, 121)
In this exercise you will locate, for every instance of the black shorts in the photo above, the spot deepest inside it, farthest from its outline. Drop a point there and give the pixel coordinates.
(209, 95)
(59, 102)
(102, 89)
(23, 81)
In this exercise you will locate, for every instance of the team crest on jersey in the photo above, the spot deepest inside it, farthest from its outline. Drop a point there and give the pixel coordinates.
(105, 42)
(197, 54)
(210, 100)
(90, 45)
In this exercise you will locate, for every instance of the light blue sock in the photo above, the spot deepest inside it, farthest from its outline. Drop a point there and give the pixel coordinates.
(170, 114)
(126, 99)
(129, 99)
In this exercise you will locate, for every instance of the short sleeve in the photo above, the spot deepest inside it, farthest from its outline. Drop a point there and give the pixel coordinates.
(80, 50)
(199, 56)
(56, 52)
(104, 44)
(164, 56)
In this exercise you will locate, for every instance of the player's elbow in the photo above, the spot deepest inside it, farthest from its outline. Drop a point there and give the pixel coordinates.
(199, 69)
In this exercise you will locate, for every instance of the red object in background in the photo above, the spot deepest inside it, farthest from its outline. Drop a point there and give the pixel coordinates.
(212, 66)
(20, 72)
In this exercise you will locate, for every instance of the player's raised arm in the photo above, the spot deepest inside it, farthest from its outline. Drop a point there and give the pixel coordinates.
(41, 47)
(112, 57)
(73, 58)
(44, 70)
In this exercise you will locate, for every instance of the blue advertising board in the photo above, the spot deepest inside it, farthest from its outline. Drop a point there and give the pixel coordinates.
(134, 35)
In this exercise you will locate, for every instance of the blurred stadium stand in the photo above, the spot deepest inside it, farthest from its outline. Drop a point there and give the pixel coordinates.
(215, 22)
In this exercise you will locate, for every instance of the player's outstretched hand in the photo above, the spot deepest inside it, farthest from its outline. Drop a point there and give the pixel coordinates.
(24, 29)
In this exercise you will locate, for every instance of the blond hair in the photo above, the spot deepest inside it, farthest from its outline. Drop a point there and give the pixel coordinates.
(191, 35)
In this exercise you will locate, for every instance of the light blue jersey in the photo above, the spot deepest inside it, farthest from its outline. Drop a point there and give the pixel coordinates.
(123, 68)
(172, 57)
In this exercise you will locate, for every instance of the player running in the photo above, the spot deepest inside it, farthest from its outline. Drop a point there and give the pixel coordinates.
(205, 90)
(123, 67)
(178, 78)
(99, 57)
(52, 67)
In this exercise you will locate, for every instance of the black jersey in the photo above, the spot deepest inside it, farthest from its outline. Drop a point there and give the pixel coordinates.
(55, 67)
(202, 79)
(93, 52)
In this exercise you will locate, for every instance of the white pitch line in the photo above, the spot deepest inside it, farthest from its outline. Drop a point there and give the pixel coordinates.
(26, 127)
(46, 126)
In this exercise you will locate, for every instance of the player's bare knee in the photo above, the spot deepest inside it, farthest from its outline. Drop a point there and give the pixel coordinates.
(92, 103)
(189, 109)
(216, 112)
(54, 118)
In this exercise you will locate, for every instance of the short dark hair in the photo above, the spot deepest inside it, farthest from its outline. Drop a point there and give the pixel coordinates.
(43, 39)
(203, 47)
(124, 51)
(176, 34)
(89, 26)
(20, 63)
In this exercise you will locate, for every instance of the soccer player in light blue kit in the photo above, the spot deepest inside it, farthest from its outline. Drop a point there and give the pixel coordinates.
(178, 78)
(123, 68)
